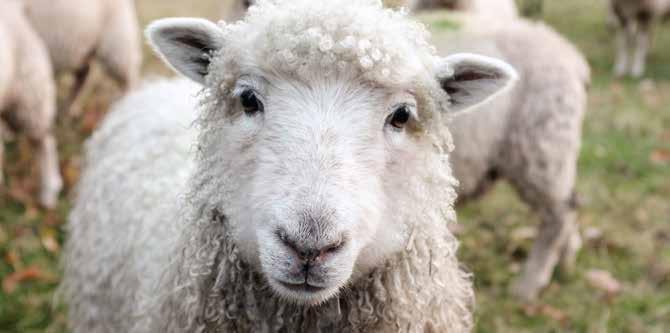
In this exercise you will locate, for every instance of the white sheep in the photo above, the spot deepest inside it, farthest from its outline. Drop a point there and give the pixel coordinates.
(78, 32)
(27, 95)
(315, 192)
(491, 8)
(635, 19)
(530, 136)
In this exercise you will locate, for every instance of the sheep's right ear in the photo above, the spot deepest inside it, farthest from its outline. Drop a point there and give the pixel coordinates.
(186, 44)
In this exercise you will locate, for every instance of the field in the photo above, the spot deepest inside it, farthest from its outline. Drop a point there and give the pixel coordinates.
(624, 181)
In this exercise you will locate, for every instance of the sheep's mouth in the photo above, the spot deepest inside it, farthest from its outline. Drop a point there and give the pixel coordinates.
(302, 287)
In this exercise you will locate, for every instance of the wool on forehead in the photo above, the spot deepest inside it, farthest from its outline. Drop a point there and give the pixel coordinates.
(304, 37)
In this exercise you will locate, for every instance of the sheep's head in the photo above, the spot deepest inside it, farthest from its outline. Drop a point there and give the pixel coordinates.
(323, 120)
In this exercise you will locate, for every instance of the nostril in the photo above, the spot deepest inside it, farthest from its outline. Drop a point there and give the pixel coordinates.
(283, 237)
(332, 248)
(309, 253)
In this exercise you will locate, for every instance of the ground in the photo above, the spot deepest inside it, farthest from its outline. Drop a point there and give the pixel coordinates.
(622, 279)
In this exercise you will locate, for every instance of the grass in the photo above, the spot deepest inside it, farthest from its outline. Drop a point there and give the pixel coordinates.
(624, 179)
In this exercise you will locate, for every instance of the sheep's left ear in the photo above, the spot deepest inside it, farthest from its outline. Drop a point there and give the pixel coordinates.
(186, 44)
(471, 79)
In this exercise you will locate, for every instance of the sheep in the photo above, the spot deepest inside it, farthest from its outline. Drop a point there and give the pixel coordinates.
(78, 32)
(313, 192)
(530, 136)
(493, 8)
(634, 20)
(27, 95)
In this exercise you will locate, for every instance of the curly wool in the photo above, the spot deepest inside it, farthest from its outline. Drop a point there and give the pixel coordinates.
(216, 291)
(308, 37)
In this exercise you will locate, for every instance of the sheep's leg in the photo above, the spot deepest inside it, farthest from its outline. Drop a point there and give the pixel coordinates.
(80, 79)
(547, 185)
(120, 51)
(558, 226)
(570, 250)
(2, 156)
(642, 41)
(624, 38)
(51, 182)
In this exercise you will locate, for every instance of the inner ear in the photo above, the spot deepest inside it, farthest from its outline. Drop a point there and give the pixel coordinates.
(457, 83)
(471, 79)
(197, 45)
(186, 45)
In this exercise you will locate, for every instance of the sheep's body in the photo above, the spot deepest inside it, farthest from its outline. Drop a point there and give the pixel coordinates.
(27, 97)
(490, 8)
(146, 136)
(530, 136)
(180, 229)
(635, 19)
(78, 32)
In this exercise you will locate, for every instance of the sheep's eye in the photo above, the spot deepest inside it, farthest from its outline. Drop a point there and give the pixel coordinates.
(399, 118)
(250, 103)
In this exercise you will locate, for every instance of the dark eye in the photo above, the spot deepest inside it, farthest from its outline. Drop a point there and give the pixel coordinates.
(250, 103)
(399, 118)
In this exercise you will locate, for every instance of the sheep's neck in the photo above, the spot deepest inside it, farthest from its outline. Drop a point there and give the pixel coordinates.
(411, 292)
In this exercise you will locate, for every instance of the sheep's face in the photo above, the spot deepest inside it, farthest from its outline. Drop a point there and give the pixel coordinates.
(320, 167)
(317, 154)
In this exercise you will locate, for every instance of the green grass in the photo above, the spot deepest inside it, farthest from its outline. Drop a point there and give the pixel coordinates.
(623, 180)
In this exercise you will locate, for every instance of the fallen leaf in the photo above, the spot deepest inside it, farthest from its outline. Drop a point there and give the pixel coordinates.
(603, 280)
(13, 259)
(660, 156)
(71, 170)
(546, 310)
(52, 219)
(48, 239)
(11, 282)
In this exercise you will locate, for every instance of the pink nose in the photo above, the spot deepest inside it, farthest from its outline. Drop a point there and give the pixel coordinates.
(310, 254)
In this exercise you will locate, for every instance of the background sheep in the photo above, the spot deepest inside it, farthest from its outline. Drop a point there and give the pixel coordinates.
(331, 215)
(530, 136)
(78, 32)
(635, 19)
(27, 97)
(492, 8)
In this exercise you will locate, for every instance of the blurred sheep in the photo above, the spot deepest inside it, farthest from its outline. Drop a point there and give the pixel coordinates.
(530, 136)
(497, 8)
(27, 94)
(635, 19)
(78, 32)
